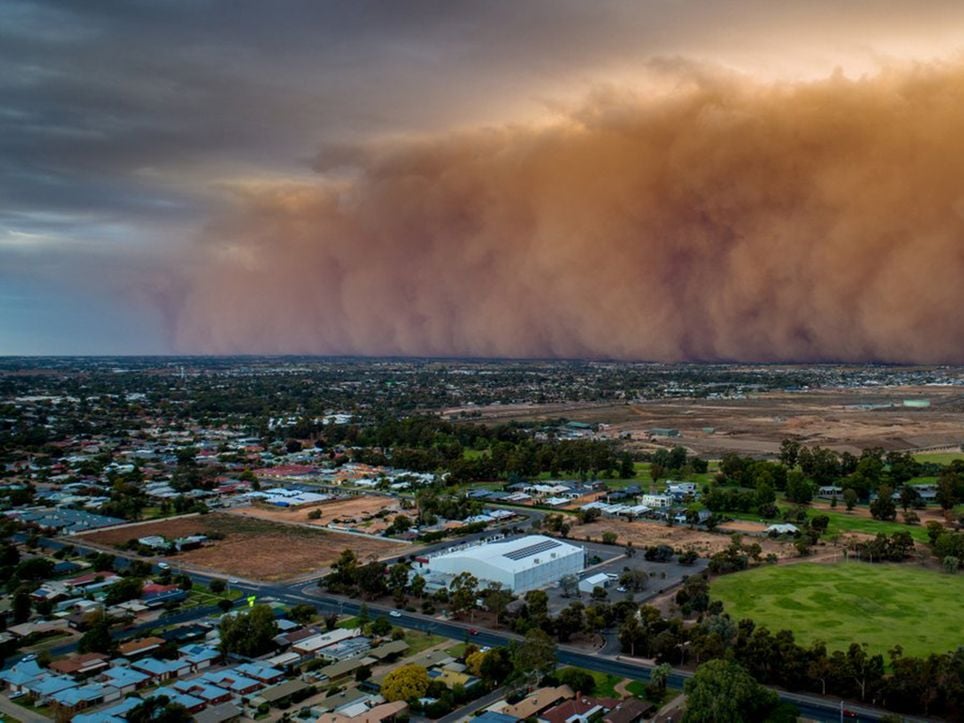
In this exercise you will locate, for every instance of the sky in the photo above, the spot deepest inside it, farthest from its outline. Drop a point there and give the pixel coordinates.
(652, 180)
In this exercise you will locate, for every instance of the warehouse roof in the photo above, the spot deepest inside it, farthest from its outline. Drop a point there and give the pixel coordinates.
(518, 554)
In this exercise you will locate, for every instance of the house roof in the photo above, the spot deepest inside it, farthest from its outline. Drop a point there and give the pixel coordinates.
(21, 672)
(282, 690)
(122, 676)
(538, 701)
(114, 714)
(90, 693)
(376, 714)
(628, 711)
(218, 713)
(155, 666)
(138, 646)
(577, 708)
(79, 663)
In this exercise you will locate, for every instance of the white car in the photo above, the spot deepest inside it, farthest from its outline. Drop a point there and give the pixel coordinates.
(620, 589)
(395, 614)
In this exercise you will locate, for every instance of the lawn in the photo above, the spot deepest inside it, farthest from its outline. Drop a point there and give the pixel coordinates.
(939, 457)
(880, 605)
(841, 522)
(605, 682)
(417, 641)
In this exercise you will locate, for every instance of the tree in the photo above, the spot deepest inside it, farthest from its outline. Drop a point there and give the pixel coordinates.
(537, 605)
(536, 655)
(302, 613)
(789, 451)
(579, 680)
(97, 638)
(473, 662)
(249, 633)
(406, 682)
(722, 691)
(627, 469)
(570, 621)
(850, 498)
(569, 584)
(634, 579)
(21, 605)
(497, 599)
(951, 564)
(464, 590)
(946, 496)
(217, 586)
(658, 678)
(128, 588)
(883, 508)
(799, 488)
(909, 497)
(497, 666)
(609, 538)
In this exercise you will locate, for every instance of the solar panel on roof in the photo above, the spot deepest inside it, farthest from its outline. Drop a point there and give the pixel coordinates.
(530, 550)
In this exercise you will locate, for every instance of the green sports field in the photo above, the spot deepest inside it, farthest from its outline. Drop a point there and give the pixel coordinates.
(846, 602)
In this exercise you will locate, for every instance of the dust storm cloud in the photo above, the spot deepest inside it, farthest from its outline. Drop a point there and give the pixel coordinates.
(715, 219)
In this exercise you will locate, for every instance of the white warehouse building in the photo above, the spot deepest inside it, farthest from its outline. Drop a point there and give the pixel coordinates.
(522, 564)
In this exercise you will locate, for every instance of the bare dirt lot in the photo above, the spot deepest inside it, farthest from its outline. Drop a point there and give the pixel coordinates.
(356, 512)
(252, 548)
(842, 419)
(645, 534)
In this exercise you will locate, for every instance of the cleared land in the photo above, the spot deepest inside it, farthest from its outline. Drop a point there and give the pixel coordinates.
(645, 534)
(842, 419)
(252, 548)
(845, 602)
(356, 512)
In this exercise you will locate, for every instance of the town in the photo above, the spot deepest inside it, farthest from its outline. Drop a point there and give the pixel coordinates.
(380, 541)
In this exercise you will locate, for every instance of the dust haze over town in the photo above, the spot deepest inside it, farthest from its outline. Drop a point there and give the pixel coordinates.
(481, 362)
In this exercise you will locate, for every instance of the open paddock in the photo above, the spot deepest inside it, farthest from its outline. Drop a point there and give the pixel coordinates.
(351, 511)
(643, 533)
(252, 548)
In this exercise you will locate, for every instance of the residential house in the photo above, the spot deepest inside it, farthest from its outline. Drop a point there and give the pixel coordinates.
(223, 713)
(193, 704)
(233, 681)
(209, 693)
(140, 647)
(198, 656)
(539, 700)
(81, 665)
(630, 710)
(578, 710)
(125, 679)
(161, 670)
(74, 700)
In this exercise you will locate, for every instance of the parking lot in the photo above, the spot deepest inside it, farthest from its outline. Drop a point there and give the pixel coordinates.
(661, 575)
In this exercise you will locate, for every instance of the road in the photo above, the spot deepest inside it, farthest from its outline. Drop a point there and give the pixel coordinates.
(16, 712)
(811, 706)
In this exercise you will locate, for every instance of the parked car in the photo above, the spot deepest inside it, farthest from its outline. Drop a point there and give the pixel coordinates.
(395, 614)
